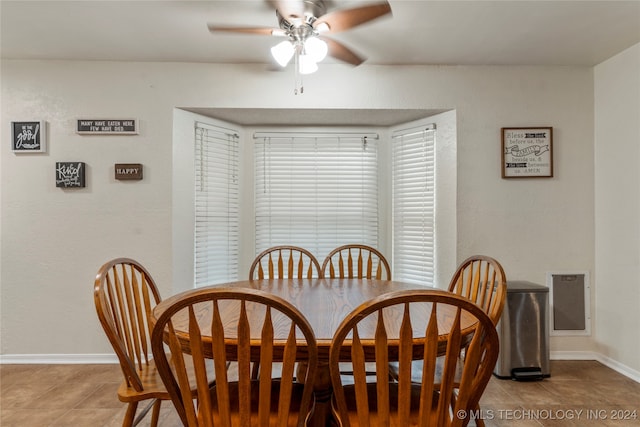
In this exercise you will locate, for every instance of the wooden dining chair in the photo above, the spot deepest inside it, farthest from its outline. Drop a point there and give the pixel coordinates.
(480, 279)
(270, 264)
(359, 262)
(124, 295)
(405, 402)
(299, 262)
(356, 261)
(242, 325)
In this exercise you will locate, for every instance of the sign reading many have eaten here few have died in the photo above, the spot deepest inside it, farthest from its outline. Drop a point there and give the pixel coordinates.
(107, 126)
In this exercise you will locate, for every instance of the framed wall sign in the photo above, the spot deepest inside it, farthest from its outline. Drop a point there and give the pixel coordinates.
(28, 137)
(70, 174)
(107, 126)
(527, 152)
(128, 171)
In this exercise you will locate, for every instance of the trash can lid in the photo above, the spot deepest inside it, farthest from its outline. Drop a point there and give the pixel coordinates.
(523, 285)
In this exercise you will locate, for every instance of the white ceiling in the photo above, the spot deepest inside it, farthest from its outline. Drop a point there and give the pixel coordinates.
(419, 32)
(569, 32)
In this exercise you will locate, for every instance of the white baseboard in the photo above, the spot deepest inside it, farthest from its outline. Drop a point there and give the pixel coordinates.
(87, 359)
(619, 367)
(573, 355)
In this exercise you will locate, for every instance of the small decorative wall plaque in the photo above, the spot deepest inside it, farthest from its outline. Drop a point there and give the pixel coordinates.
(70, 174)
(527, 152)
(28, 137)
(128, 171)
(107, 126)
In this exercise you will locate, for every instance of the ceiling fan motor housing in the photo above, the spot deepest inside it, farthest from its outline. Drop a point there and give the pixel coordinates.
(297, 27)
(312, 10)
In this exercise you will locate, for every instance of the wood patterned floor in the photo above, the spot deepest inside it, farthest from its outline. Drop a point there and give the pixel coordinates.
(578, 393)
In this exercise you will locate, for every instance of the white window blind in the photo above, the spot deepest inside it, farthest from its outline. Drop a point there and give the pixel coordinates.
(316, 192)
(216, 205)
(414, 205)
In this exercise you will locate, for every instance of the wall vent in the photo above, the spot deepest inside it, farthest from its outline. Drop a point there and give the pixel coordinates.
(570, 302)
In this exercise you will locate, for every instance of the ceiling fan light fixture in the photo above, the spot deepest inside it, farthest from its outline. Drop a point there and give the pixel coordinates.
(322, 27)
(283, 52)
(306, 65)
(317, 49)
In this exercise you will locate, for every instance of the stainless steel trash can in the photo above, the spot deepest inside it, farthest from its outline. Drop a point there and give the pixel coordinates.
(524, 333)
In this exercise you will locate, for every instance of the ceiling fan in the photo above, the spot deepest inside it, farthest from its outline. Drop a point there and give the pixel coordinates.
(305, 24)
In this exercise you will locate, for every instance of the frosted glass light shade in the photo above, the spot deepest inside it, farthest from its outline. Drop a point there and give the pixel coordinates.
(282, 52)
(307, 65)
(322, 27)
(316, 48)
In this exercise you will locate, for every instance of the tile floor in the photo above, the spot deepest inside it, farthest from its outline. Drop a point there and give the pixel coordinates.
(579, 393)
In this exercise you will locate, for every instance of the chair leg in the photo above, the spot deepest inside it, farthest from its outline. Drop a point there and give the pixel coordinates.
(130, 414)
(479, 421)
(153, 403)
(155, 414)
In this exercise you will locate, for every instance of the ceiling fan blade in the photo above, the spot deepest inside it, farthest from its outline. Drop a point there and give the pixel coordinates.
(341, 52)
(266, 31)
(341, 20)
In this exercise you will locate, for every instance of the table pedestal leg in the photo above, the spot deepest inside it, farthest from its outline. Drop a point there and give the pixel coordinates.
(321, 416)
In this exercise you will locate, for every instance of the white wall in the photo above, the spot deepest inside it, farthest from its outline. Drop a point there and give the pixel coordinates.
(53, 241)
(617, 208)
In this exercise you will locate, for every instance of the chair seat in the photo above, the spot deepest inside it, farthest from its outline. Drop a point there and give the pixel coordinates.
(255, 393)
(153, 388)
(350, 399)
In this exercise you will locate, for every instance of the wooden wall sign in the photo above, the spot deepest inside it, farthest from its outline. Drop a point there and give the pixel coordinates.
(70, 174)
(28, 137)
(107, 126)
(128, 171)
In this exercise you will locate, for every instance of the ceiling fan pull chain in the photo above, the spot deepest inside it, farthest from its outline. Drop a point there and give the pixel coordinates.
(297, 75)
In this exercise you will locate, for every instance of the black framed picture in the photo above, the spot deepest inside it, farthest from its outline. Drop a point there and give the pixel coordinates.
(28, 137)
(70, 174)
(527, 152)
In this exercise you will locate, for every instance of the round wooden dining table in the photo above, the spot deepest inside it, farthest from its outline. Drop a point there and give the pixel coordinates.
(325, 303)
